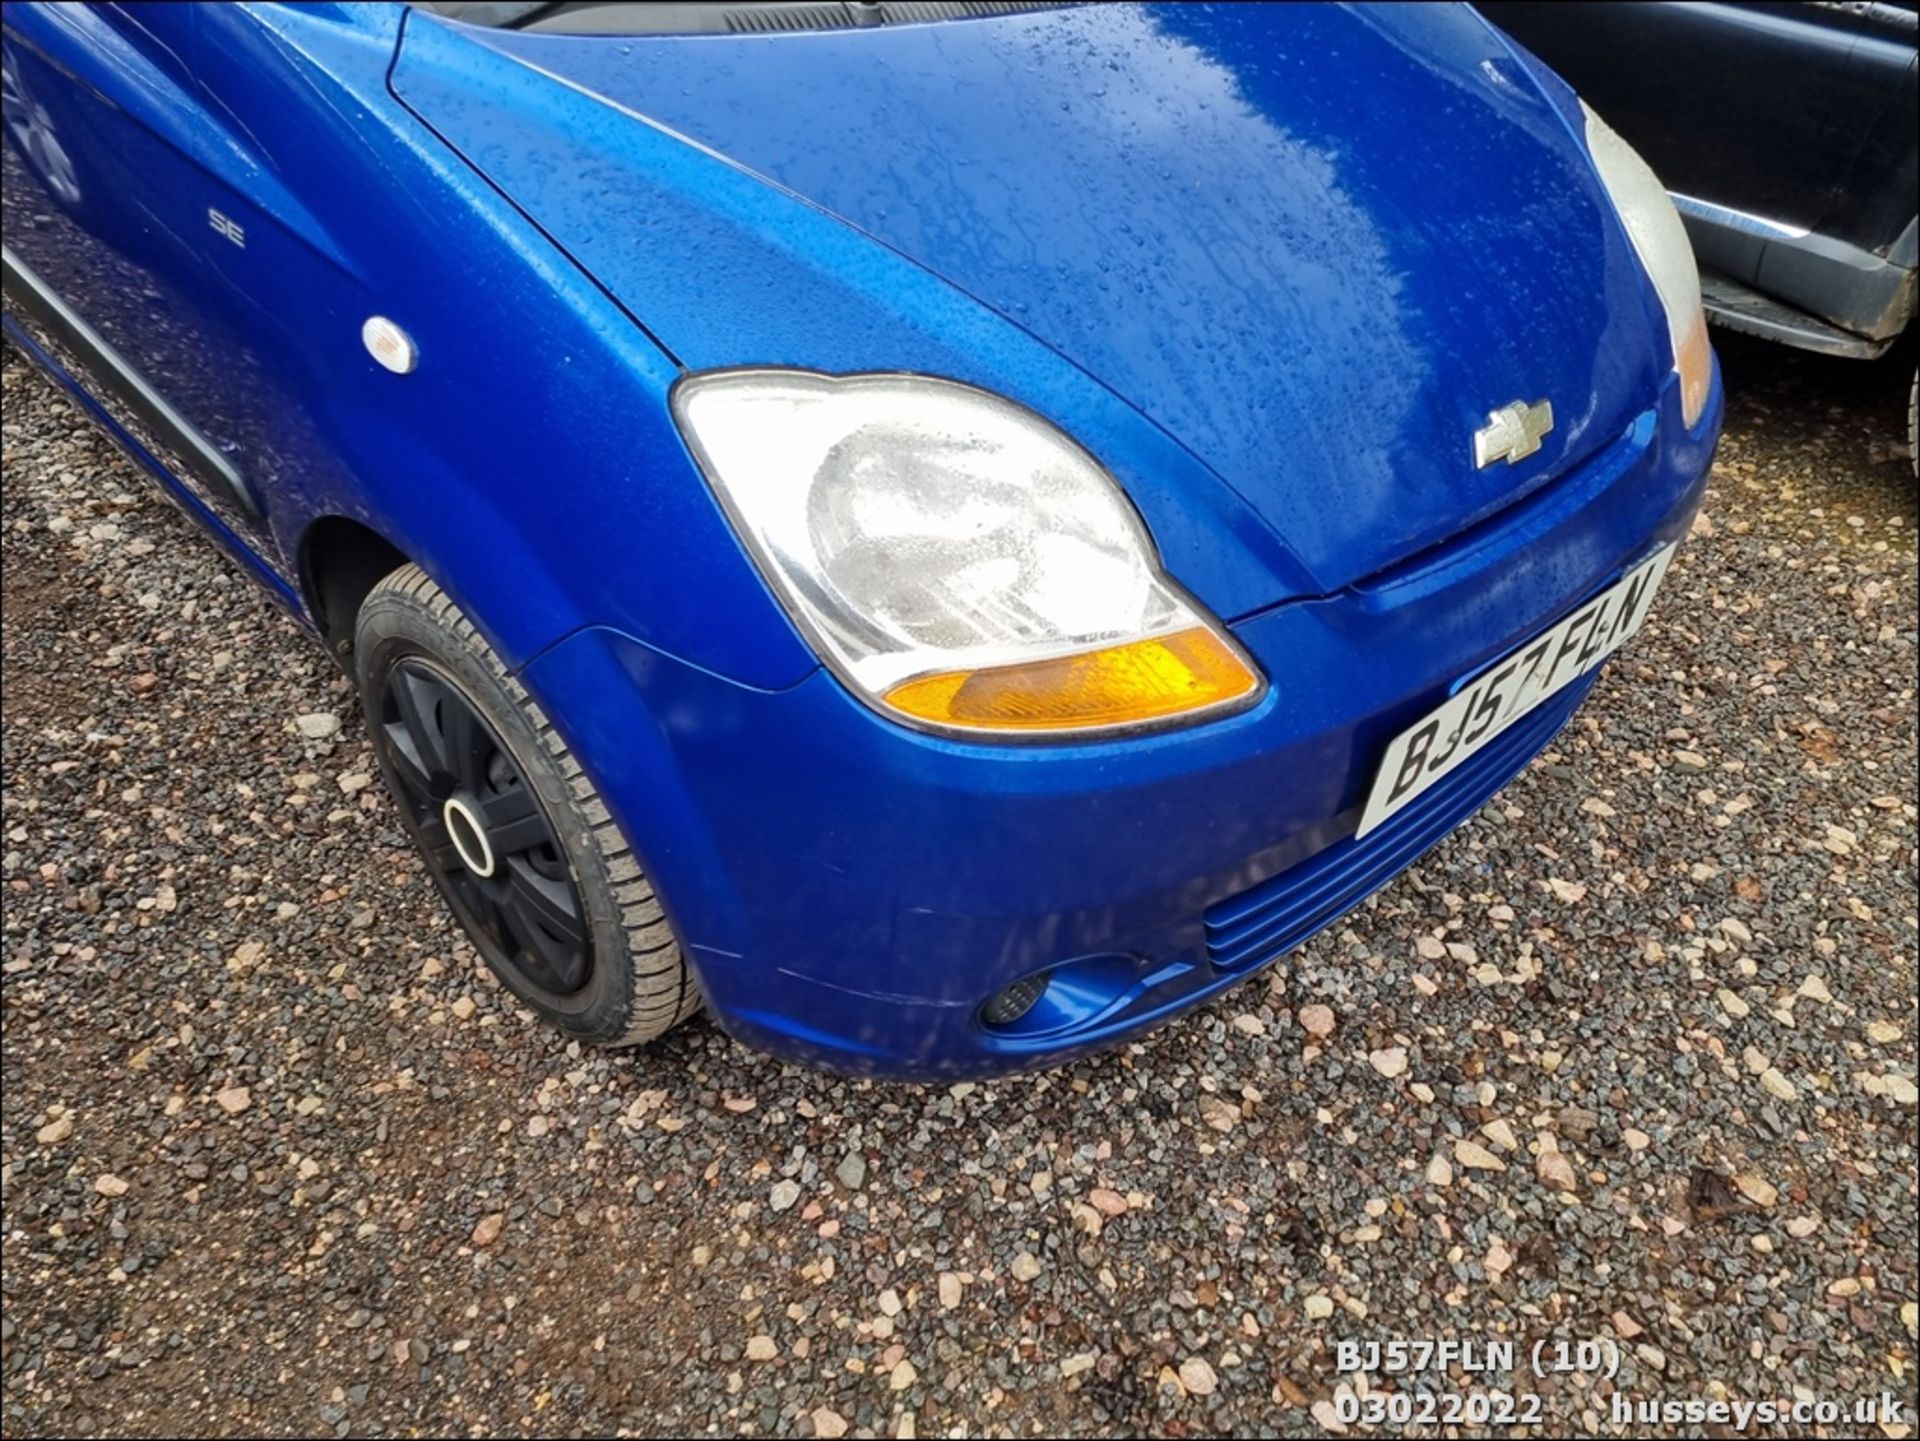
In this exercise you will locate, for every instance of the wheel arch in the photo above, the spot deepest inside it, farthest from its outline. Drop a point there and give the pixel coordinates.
(341, 560)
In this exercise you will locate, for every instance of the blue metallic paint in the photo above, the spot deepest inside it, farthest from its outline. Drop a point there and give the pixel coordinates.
(1201, 241)
(1218, 213)
(855, 890)
(442, 462)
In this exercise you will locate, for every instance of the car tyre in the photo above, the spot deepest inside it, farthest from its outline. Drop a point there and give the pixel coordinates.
(513, 832)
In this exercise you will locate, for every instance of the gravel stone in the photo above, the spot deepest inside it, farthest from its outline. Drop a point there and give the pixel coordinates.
(1317, 1020)
(197, 908)
(1390, 1061)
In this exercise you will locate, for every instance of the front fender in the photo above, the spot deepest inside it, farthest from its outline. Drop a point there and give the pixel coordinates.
(618, 703)
(528, 461)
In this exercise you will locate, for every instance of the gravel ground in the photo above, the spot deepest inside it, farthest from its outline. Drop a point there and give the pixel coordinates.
(1630, 1057)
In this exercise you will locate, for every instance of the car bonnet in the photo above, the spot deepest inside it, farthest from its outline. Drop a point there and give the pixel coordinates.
(1315, 246)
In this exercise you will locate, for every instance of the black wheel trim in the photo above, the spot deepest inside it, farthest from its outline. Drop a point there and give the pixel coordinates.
(527, 916)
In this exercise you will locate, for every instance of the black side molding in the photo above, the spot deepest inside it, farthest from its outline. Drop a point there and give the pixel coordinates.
(109, 370)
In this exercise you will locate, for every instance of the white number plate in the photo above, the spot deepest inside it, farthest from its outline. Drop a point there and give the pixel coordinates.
(1424, 753)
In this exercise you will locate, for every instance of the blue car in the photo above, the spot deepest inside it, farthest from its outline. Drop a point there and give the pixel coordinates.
(948, 533)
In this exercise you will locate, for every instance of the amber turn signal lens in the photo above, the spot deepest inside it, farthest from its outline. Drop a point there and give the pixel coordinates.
(1142, 680)
(1695, 364)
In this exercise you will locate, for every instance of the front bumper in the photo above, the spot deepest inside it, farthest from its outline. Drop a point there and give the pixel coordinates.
(850, 893)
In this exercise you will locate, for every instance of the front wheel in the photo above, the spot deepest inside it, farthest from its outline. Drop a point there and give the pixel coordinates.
(515, 835)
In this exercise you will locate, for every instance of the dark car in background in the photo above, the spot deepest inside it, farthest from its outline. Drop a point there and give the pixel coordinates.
(1786, 135)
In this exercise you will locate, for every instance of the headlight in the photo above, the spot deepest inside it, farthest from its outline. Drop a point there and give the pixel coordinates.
(955, 558)
(1661, 242)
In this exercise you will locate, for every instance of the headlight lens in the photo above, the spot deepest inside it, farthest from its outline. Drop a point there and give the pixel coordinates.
(1661, 242)
(954, 557)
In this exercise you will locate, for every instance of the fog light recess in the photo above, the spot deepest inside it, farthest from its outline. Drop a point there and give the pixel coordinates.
(1008, 1006)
